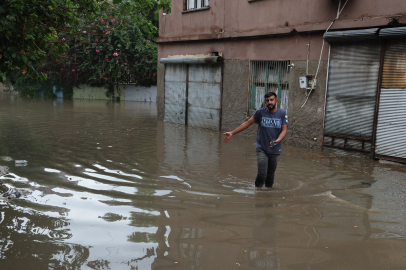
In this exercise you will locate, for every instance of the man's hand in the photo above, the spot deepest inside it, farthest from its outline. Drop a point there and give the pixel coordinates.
(274, 143)
(281, 136)
(240, 128)
(228, 136)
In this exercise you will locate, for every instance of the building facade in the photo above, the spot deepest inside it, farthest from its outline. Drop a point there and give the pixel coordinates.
(337, 66)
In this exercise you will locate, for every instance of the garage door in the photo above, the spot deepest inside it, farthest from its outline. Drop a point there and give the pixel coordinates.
(193, 94)
(175, 93)
(204, 99)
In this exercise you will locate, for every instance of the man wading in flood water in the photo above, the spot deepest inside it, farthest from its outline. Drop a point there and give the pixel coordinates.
(272, 127)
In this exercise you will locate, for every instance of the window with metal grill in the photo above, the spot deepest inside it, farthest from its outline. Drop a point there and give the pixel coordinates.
(195, 4)
(264, 77)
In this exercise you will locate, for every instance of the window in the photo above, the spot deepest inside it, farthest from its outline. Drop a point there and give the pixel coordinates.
(264, 77)
(195, 4)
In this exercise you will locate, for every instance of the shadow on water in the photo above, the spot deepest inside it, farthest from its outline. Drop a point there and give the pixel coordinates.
(109, 187)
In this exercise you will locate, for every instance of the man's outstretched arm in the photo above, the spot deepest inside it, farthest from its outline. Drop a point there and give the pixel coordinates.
(240, 128)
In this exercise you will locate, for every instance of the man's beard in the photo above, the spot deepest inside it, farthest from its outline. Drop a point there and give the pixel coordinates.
(271, 107)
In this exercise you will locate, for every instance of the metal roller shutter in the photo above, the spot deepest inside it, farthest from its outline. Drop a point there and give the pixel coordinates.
(351, 95)
(391, 127)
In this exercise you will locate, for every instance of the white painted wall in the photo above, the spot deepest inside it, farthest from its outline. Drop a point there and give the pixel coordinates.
(128, 92)
(140, 93)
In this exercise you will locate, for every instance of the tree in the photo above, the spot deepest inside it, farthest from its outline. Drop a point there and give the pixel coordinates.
(31, 30)
(110, 50)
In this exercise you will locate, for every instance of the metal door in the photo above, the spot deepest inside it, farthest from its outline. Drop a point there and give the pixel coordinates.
(391, 125)
(351, 95)
(204, 96)
(175, 93)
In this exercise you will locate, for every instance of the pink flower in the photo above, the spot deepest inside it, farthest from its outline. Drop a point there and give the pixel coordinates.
(102, 21)
(97, 51)
(63, 39)
(125, 68)
(116, 63)
(84, 32)
(108, 32)
(115, 54)
(148, 40)
(97, 40)
(92, 23)
(87, 48)
(153, 74)
(106, 60)
(73, 70)
(77, 49)
(61, 69)
(113, 20)
(63, 54)
(106, 79)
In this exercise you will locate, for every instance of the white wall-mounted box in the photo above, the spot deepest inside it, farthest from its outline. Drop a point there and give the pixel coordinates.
(304, 82)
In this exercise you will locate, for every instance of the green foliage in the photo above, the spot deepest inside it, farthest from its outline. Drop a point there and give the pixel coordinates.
(29, 87)
(28, 31)
(111, 50)
(32, 31)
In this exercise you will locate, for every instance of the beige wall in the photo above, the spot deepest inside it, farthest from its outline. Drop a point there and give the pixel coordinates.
(293, 47)
(237, 18)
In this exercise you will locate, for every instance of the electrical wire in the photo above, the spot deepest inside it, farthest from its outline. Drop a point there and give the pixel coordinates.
(343, 8)
(321, 53)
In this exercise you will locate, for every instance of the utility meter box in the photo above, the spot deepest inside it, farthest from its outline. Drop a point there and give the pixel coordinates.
(307, 81)
(304, 82)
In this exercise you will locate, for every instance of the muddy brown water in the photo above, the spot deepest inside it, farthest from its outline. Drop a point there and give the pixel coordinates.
(109, 187)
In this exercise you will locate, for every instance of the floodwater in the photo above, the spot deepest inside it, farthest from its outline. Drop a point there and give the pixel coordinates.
(108, 187)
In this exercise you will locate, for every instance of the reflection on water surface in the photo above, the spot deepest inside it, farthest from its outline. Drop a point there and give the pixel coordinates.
(109, 187)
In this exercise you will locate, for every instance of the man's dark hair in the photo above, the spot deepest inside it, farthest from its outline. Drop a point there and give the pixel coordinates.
(270, 94)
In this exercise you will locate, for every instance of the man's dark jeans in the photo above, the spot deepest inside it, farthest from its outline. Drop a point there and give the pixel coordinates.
(266, 168)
